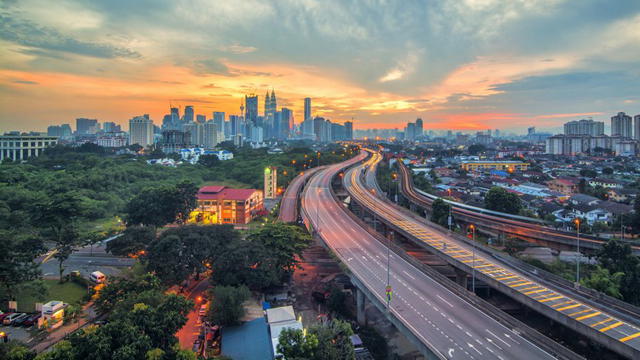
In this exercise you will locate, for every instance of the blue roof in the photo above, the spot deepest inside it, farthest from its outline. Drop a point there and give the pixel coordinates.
(256, 333)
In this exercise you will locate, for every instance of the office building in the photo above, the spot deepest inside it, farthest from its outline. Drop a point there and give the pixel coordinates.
(188, 114)
(584, 127)
(222, 205)
(112, 139)
(219, 119)
(348, 130)
(286, 123)
(174, 140)
(419, 128)
(307, 109)
(141, 131)
(270, 106)
(270, 182)
(621, 125)
(636, 127)
(63, 132)
(201, 119)
(111, 127)
(251, 109)
(410, 132)
(86, 126)
(21, 146)
(210, 135)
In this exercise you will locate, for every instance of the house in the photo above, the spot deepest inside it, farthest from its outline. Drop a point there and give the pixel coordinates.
(565, 186)
(582, 199)
(606, 183)
(621, 195)
(279, 319)
(443, 172)
(223, 205)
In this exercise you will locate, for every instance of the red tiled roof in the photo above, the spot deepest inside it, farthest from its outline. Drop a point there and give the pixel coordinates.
(224, 193)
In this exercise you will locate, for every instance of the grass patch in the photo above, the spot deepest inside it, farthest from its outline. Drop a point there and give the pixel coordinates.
(68, 292)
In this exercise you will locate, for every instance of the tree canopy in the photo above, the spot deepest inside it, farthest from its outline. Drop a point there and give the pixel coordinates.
(499, 199)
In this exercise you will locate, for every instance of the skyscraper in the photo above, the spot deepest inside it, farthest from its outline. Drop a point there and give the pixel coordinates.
(348, 130)
(86, 126)
(141, 131)
(419, 129)
(201, 119)
(111, 127)
(210, 134)
(636, 126)
(218, 118)
(251, 109)
(286, 123)
(188, 114)
(621, 125)
(307, 109)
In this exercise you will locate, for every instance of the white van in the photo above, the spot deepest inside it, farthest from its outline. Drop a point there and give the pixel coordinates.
(97, 277)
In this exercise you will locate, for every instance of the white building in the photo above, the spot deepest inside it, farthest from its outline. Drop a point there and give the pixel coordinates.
(279, 319)
(112, 139)
(18, 147)
(210, 135)
(141, 131)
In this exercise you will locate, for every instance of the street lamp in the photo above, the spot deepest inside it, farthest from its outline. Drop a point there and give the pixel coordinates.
(473, 263)
(577, 222)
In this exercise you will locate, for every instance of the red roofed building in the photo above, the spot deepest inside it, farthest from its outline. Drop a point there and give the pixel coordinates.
(222, 205)
(564, 186)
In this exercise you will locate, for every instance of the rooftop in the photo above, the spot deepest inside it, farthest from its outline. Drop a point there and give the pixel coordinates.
(224, 193)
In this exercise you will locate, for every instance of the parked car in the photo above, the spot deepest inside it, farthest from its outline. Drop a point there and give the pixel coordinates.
(97, 277)
(4, 315)
(20, 319)
(9, 319)
(32, 320)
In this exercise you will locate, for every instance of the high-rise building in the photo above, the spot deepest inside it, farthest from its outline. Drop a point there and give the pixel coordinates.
(584, 127)
(497, 133)
(111, 127)
(410, 132)
(210, 134)
(174, 140)
(188, 114)
(419, 127)
(636, 127)
(141, 130)
(218, 118)
(319, 128)
(531, 131)
(251, 109)
(86, 126)
(21, 146)
(348, 130)
(621, 125)
(270, 106)
(286, 123)
(307, 109)
(270, 182)
(201, 119)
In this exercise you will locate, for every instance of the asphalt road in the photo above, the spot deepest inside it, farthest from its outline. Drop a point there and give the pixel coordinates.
(189, 332)
(598, 319)
(289, 203)
(445, 323)
(86, 259)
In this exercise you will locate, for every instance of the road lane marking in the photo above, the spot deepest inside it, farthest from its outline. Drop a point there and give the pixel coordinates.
(552, 298)
(627, 338)
(569, 307)
(612, 326)
(589, 316)
(602, 322)
(448, 303)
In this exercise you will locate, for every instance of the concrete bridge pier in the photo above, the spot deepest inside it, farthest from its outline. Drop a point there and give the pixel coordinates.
(461, 277)
(361, 302)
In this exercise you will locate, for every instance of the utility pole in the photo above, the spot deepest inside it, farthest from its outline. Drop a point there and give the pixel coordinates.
(473, 266)
(577, 221)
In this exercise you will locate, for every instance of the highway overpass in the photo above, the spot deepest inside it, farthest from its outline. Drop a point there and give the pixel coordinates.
(525, 228)
(289, 204)
(615, 330)
(445, 324)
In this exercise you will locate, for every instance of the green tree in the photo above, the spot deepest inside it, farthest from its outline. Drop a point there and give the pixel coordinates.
(294, 345)
(334, 342)
(284, 245)
(440, 212)
(600, 279)
(617, 257)
(162, 205)
(335, 302)
(118, 290)
(475, 149)
(227, 306)
(499, 199)
(607, 171)
(17, 254)
(59, 216)
(590, 173)
(209, 160)
(15, 351)
(133, 240)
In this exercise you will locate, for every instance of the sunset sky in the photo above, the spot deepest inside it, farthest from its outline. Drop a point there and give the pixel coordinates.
(472, 64)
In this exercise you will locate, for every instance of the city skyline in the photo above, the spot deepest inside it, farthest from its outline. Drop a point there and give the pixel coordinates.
(467, 65)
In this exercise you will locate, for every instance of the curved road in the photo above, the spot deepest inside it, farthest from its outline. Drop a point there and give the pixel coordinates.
(448, 325)
(289, 203)
(595, 320)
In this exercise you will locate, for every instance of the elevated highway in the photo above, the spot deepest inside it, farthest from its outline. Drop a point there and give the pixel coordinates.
(526, 228)
(614, 330)
(446, 324)
(289, 204)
